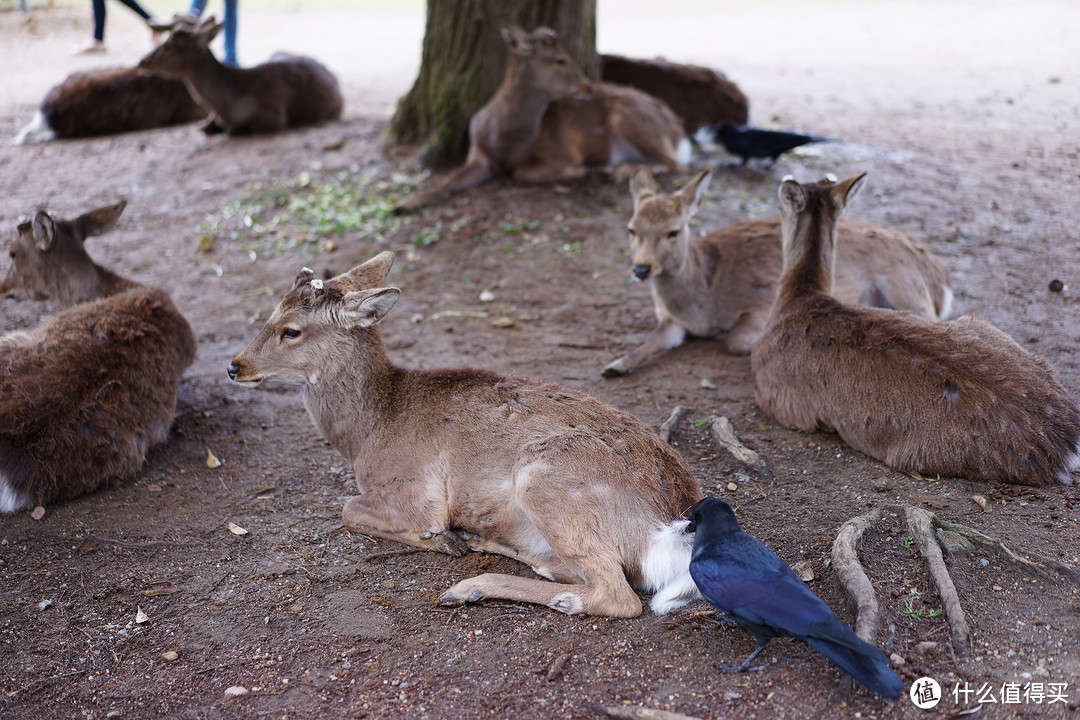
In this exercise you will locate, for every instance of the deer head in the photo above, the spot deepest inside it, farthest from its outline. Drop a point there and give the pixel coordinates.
(659, 230)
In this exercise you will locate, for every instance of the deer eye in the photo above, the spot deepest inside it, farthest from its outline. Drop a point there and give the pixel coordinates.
(560, 61)
(630, 232)
(673, 234)
(291, 333)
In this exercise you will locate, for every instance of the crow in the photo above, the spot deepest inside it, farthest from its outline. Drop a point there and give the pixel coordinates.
(747, 142)
(759, 593)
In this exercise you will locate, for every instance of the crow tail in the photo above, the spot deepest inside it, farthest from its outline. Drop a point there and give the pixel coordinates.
(860, 660)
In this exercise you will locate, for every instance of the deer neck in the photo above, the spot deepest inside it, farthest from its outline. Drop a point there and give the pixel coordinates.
(809, 244)
(99, 282)
(355, 395)
(519, 105)
(211, 83)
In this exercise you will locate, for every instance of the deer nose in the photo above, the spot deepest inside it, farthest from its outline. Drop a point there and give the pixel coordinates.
(234, 369)
(642, 272)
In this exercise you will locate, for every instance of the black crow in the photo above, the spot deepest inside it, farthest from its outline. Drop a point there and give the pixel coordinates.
(760, 594)
(747, 142)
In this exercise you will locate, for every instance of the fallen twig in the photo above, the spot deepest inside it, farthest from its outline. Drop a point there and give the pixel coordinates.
(672, 423)
(725, 435)
(635, 712)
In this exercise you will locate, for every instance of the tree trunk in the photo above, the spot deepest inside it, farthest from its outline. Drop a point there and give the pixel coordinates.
(463, 62)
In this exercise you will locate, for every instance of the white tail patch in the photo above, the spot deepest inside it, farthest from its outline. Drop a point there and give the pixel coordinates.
(37, 130)
(665, 570)
(11, 500)
(1071, 463)
(946, 303)
(684, 152)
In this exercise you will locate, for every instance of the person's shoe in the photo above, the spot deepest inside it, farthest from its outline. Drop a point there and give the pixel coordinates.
(88, 48)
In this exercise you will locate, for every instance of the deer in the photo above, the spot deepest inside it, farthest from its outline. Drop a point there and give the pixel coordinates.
(85, 394)
(109, 101)
(957, 399)
(459, 460)
(287, 91)
(722, 285)
(547, 123)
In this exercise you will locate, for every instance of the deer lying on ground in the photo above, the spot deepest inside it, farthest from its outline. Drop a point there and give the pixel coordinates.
(110, 101)
(287, 91)
(723, 284)
(518, 467)
(960, 399)
(85, 394)
(548, 123)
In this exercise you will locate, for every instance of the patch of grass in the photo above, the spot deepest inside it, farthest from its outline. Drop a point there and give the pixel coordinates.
(311, 212)
(910, 611)
(701, 423)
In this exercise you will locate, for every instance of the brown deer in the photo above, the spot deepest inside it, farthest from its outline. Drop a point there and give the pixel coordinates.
(548, 123)
(109, 101)
(84, 395)
(960, 398)
(723, 284)
(466, 459)
(287, 91)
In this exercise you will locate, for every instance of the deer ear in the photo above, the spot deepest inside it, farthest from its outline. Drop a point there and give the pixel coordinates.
(44, 230)
(371, 274)
(516, 39)
(694, 190)
(792, 195)
(207, 31)
(99, 220)
(642, 185)
(365, 308)
(847, 190)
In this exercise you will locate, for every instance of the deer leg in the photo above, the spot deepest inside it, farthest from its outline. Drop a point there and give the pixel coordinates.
(549, 172)
(362, 516)
(748, 328)
(608, 599)
(666, 336)
(475, 171)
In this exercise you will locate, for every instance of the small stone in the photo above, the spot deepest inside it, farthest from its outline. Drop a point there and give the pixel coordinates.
(236, 529)
(153, 488)
(503, 323)
(982, 502)
(896, 660)
(803, 570)
(141, 617)
(732, 487)
(44, 604)
(708, 384)
(487, 296)
(1056, 286)
(211, 460)
(729, 696)
(416, 318)
(206, 243)
(170, 656)
(881, 485)
(236, 691)
(38, 513)
(997, 587)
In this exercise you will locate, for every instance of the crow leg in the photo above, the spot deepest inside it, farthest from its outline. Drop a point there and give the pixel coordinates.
(745, 664)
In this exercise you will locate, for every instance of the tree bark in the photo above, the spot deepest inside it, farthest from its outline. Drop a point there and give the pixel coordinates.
(463, 62)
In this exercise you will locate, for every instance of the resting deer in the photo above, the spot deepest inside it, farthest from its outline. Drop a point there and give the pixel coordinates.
(723, 284)
(84, 395)
(548, 123)
(960, 399)
(109, 101)
(585, 494)
(287, 91)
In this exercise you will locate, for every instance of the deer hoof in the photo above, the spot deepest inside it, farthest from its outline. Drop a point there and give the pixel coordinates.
(614, 369)
(450, 598)
(450, 543)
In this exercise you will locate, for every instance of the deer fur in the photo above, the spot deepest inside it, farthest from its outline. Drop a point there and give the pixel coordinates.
(700, 96)
(723, 284)
(84, 395)
(287, 91)
(548, 123)
(466, 459)
(108, 101)
(959, 399)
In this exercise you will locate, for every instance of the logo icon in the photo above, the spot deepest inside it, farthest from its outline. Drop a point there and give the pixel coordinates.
(925, 693)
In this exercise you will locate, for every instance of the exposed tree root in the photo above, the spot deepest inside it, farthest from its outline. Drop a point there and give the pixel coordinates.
(724, 434)
(635, 712)
(929, 532)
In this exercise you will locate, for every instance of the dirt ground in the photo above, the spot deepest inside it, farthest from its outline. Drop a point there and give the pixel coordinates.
(965, 114)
